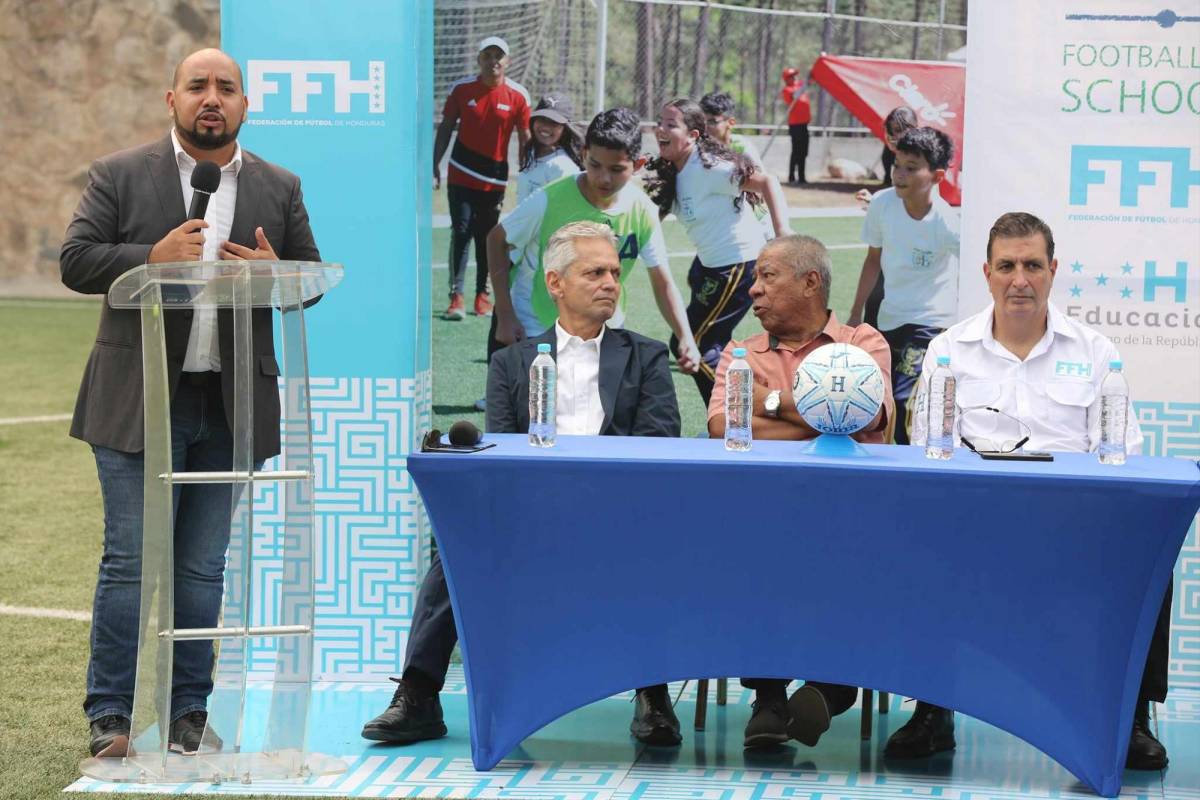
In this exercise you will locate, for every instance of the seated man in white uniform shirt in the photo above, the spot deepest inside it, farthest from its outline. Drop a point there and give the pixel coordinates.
(1025, 369)
(611, 382)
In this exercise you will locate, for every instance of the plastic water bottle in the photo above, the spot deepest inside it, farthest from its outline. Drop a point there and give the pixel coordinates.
(939, 440)
(1114, 401)
(543, 377)
(739, 402)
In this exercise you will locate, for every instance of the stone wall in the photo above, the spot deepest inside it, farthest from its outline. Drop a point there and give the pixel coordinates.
(81, 78)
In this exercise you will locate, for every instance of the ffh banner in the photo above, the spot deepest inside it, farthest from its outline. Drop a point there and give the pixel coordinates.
(339, 93)
(1088, 115)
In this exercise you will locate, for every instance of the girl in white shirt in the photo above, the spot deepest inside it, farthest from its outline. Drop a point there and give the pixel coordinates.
(711, 190)
(555, 148)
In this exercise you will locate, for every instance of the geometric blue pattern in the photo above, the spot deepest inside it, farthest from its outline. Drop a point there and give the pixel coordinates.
(370, 528)
(1173, 429)
(588, 755)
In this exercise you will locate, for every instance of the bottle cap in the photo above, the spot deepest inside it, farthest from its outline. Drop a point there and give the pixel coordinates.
(1114, 364)
(739, 352)
(544, 347)
(943, 361)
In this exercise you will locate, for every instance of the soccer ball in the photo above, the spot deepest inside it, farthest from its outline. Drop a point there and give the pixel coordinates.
(838, 388)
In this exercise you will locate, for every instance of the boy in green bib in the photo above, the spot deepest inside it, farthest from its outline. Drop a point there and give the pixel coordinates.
(602, 193)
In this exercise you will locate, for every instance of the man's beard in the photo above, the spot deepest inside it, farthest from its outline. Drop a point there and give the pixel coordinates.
(207, 139)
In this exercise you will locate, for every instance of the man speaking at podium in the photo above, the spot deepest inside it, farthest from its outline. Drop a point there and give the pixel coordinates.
(134, 211)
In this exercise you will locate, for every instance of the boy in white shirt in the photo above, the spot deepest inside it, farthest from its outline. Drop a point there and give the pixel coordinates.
(912, 235)
(720, 119)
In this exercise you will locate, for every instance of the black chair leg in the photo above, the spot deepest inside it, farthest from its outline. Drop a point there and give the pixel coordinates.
(885, 700)
(867, 703)
(722, 690)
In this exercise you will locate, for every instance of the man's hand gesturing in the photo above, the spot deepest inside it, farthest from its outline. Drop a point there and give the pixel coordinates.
(264, 251)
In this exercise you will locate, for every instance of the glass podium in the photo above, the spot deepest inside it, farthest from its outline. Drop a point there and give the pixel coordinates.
(243, 742)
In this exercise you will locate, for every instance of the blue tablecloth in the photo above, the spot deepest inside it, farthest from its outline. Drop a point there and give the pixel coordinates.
(1021, 593)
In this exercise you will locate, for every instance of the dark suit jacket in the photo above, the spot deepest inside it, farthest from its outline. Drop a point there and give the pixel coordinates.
(133, 199)
(636, 390)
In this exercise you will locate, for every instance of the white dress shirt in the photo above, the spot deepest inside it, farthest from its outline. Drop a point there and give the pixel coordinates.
(577, 409)
(1055, 391)
(203, 354)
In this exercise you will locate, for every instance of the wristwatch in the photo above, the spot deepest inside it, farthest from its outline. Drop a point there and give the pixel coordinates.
(771, 404)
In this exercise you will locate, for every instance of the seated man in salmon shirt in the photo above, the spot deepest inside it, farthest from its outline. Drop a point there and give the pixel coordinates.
(791, 300)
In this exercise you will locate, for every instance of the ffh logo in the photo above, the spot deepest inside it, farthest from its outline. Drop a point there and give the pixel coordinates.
(1082, 369)
(300, 72)
(839, 384)
(1132, 176)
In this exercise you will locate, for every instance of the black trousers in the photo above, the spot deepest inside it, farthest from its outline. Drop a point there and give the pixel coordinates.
(720, 298)
(799, 134)
(1154, 676)
(473, 214)
(432, 637)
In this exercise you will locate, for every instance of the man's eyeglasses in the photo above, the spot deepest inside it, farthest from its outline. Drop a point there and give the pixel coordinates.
(987, 445)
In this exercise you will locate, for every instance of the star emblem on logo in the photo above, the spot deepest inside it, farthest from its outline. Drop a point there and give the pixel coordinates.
(1101, 280)
(1127, 268)
(1126, 293)
(1076, 267)
(1076, 291)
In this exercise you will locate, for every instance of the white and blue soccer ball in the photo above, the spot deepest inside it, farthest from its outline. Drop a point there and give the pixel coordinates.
(838, 388)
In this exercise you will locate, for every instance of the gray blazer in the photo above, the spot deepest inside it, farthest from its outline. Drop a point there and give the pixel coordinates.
(133, 199)
(636, 389)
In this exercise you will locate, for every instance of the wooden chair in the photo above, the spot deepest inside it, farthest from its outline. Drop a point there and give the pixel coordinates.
(702, 699)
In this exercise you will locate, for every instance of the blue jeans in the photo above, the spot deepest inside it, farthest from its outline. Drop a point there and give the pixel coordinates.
(200, 441)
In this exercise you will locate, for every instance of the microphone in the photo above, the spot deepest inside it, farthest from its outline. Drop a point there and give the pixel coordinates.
(206, 177)
(465, 434)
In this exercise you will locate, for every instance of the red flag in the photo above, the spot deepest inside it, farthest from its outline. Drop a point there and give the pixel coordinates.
(870, 88)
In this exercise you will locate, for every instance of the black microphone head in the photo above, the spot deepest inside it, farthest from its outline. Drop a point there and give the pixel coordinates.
(464, 434)
(206, 177)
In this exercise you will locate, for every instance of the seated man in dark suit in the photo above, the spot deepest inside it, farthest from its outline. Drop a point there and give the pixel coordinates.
(611, 382)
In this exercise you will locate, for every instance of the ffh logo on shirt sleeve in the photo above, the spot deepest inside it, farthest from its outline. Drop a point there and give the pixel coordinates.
(301, 74)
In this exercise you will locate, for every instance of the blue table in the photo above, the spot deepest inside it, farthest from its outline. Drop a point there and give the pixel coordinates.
(1023, 594)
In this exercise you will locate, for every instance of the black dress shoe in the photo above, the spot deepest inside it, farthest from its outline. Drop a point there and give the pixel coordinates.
(654, 721)
(1145, 751)
(412, 716)
(929, 731)
(110, 737)
(768, 725)
(185, 734)
(809, 714)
